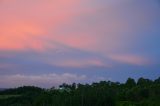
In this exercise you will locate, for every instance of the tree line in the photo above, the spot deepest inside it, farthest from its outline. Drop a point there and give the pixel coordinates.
(144, 92)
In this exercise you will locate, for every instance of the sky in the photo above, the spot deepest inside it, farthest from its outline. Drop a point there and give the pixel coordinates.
(49, 42)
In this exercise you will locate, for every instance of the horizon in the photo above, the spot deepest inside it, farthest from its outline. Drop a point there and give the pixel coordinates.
(58, 86)
(46, 43)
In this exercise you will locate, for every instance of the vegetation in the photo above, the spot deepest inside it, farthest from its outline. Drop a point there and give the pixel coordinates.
(144, 92)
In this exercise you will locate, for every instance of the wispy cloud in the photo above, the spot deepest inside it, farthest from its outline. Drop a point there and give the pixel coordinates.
(80, 63)
(130, 59)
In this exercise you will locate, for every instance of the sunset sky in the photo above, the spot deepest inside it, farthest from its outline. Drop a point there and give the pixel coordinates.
(47, 42)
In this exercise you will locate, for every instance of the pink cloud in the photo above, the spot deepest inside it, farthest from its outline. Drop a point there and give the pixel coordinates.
(23, 27)
(80, 63)
(130, 59)
(31, 24)
(20, 36)
(43, 19)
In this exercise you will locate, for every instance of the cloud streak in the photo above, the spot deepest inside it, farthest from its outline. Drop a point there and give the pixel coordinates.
(83, 63)
(130, 59)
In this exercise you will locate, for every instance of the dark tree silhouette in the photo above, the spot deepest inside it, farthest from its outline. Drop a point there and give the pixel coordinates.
(103, 93)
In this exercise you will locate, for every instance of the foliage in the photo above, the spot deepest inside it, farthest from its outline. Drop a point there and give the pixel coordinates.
(105, 93)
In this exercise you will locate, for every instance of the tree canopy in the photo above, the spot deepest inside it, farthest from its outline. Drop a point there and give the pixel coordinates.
(144, 92)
